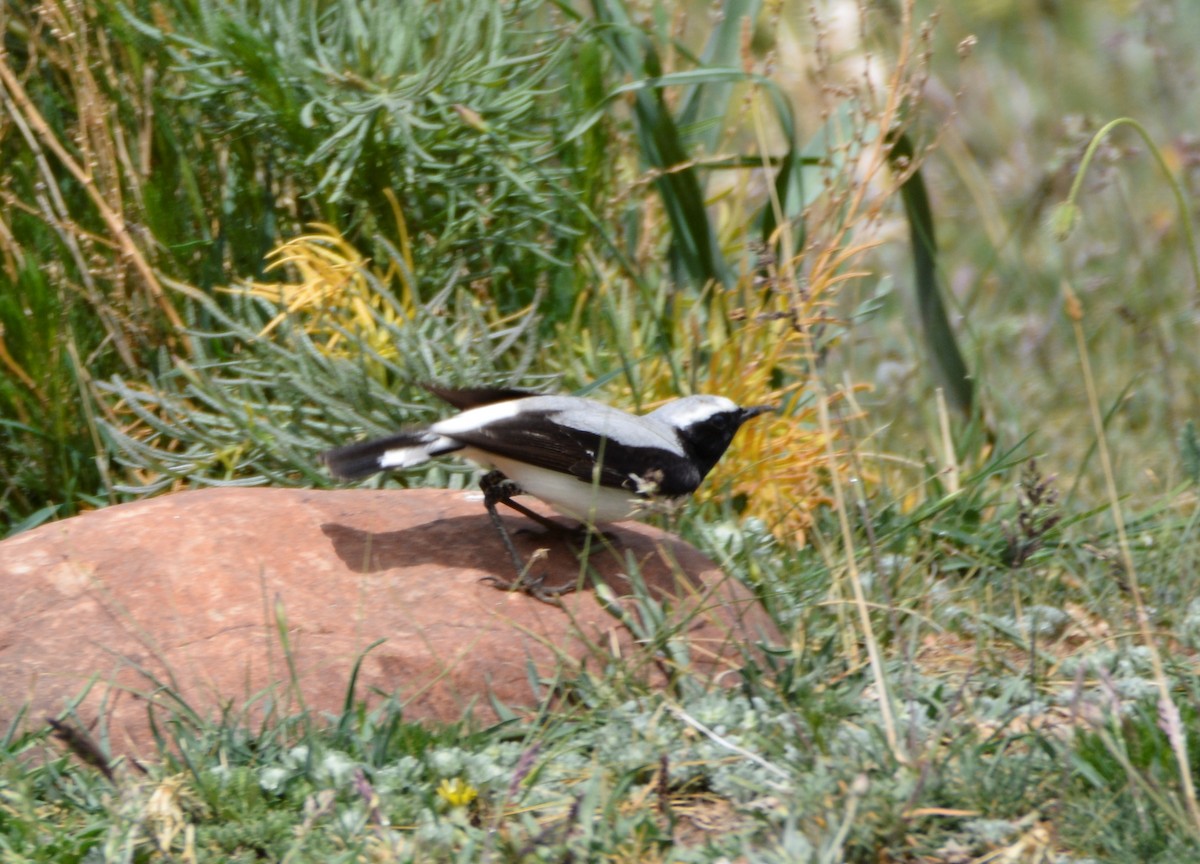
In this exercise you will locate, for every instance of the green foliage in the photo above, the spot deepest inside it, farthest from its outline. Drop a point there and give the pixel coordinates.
(249, 409)
(940, 342)
(452, 106)
(456, 125)
(480, 153)
(46, 464)
(694, 241)
(1144, 820)
(1189, 446)
(216, 129)
(1068, 213)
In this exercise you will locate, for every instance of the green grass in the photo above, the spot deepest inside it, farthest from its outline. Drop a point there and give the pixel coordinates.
(983, 652)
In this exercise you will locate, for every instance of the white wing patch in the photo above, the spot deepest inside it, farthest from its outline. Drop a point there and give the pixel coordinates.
(478, 418)
(413, 454)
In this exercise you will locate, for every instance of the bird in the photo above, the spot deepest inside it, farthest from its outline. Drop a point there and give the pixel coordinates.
(587, 460)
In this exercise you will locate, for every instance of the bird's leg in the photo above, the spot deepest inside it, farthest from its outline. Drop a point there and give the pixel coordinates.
(498, 489)
(501, 490)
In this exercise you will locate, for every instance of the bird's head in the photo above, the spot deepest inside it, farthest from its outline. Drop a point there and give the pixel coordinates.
(706, 425)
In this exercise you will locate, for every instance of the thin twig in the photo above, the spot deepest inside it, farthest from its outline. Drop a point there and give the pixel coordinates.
(1176, 735)
(116, 225)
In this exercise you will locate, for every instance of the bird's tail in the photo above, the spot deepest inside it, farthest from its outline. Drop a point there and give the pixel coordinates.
(402, 450)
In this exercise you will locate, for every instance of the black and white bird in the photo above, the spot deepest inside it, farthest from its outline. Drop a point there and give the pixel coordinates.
(587, 460)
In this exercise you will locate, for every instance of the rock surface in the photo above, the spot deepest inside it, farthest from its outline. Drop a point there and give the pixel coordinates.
(198, 590)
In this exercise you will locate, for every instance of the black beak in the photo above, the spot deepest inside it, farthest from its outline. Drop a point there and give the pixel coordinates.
(755, 410)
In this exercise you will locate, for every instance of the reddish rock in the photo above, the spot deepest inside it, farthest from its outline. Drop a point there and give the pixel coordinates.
(193, 590)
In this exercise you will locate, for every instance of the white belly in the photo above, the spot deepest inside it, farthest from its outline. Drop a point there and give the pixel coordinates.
(579, 499)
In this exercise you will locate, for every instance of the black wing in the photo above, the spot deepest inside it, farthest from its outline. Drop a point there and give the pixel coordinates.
(476, 397)
(534, 438)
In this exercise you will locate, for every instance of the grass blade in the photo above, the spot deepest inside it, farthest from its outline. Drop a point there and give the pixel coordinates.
(943, 348)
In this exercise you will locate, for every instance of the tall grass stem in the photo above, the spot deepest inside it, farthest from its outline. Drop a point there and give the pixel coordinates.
(1176, 736)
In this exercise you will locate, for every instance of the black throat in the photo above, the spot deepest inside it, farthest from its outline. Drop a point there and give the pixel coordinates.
(706, 443)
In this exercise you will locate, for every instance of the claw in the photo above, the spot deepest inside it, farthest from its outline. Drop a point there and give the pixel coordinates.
(498, 489)
(534, 587)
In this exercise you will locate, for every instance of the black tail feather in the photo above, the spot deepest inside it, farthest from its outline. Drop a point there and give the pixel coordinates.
(362, 458)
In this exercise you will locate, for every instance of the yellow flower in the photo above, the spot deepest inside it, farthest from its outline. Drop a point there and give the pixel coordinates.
(457, 792)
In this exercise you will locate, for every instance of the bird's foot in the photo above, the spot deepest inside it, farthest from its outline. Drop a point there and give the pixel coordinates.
(498, 489)
(535, 587)
(583, 539)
